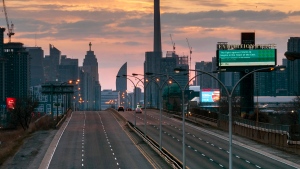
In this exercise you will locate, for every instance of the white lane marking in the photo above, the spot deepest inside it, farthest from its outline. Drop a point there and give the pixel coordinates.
(266, 154)
(82, 164)
(58, 142)
(107, 139)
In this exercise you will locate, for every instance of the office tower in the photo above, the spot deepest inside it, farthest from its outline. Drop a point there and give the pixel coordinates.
(68, 69)
(121, 85)
(90, 81)
(51, 63)
(109, 99)
(17, 70)
(293, 67)
(202, 80)
(90, 63)
(2, 80)
(172, 61)
(36, 65)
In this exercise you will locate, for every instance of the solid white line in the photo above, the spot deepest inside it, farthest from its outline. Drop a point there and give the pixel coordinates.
(58, 142)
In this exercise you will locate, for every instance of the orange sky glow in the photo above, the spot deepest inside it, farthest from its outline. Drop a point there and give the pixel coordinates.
(122, 31)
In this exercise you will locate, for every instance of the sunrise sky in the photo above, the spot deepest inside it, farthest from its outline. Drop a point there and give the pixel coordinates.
(122, 30)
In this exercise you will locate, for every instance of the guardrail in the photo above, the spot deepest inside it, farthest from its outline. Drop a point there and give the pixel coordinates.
(168, 157)
(268, 127)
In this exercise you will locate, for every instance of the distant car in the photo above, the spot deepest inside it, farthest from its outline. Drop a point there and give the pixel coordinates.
(121, 108)
(138, 110)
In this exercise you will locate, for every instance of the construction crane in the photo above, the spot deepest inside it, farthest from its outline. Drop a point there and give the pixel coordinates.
(172, 43)
(190, 48)
(10, 29)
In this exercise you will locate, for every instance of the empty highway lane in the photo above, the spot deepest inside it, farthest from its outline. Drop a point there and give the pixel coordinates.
(96, 140)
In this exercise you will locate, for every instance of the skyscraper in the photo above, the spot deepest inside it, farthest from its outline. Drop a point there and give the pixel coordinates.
(2, 77)
(68, 69)
(121, 84)
(90, 81)
(36, 65)
(90, 64)
(153, 59)
(293, 67)
(51, 63)
(17, 67)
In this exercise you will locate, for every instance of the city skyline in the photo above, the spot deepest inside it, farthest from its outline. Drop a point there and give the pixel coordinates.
(124, 30)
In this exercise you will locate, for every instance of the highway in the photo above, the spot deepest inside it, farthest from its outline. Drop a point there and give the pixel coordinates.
(96, 140)
(204, 149)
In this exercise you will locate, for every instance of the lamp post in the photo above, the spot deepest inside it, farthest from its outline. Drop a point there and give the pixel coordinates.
(134, 101)
(160, 86)
(229, 94)
(160, 105)
(145, 109)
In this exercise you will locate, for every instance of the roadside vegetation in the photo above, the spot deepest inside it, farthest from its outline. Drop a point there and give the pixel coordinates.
(23, 122)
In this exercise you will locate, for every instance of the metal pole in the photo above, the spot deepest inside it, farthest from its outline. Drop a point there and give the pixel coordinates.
(183, 132)
(230, 131)
(52, 115)
(134, 102)
(145, 114)
(160, 120)
(56, 108)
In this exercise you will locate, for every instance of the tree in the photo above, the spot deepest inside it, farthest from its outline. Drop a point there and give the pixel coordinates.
(22, 112)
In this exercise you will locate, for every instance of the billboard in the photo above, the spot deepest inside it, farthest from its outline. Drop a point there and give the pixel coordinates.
(10, 102)
(246, 57)
(210, 95)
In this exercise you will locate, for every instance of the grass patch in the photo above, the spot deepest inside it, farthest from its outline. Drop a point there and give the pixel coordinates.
(12, 139)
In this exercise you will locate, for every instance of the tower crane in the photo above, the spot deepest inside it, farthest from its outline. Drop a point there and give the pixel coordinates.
(190, 48)
(10, 28)
(172, 43)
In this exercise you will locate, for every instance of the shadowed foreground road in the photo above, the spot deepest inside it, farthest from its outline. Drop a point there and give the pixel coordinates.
(96, 140)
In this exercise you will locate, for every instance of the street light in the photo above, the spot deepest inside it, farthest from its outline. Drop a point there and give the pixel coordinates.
(160, 85)
(229, 94)
(145, 115)
(134, 101)
(292, 55)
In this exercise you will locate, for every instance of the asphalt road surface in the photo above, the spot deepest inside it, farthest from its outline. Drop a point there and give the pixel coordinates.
(96, 140)
(204, 149)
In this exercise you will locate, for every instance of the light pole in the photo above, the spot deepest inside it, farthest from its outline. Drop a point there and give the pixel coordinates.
(145, 109)
(160, 86)
(160, 105)
(134, 101)
(229, 94)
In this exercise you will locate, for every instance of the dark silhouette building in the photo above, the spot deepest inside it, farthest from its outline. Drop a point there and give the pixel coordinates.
(17, 73)
(36, 65)
(121, 85)
(89, 80)
(51, 63)
(68, 69)
(293, 67)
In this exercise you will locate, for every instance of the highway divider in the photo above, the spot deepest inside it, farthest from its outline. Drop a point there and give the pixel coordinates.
(167, 156)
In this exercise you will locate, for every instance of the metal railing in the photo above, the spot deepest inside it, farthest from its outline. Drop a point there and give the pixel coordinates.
(268, 127)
